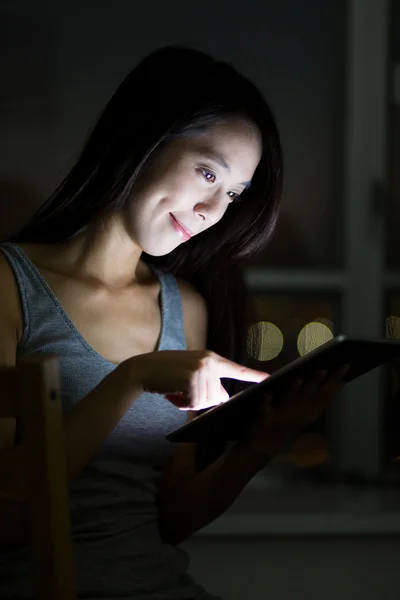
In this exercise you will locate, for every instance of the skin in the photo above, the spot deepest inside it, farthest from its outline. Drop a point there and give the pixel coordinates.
(113, 300)
(188, 182)
(99, 278)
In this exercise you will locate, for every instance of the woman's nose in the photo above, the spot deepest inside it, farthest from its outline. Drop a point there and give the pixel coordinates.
(210, 208)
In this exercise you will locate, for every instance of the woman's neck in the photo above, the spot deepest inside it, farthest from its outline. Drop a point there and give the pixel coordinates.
(103, 254)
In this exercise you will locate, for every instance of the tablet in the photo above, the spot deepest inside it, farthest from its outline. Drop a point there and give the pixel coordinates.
(228, 420)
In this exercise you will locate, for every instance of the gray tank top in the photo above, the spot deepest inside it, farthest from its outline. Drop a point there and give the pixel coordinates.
(118, 549)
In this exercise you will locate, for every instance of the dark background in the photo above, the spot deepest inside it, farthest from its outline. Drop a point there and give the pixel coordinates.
(60, 62)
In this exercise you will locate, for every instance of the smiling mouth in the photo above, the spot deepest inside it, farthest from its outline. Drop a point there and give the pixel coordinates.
(180, 229)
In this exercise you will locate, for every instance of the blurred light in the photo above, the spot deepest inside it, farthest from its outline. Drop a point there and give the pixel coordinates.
(309, 450)
(312, 336)
(393, 328)
(264, 341)
(324, 321)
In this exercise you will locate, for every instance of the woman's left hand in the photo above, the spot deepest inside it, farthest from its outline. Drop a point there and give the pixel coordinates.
(279, 419)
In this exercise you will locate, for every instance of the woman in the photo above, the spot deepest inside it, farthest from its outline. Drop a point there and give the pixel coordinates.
(129, 274)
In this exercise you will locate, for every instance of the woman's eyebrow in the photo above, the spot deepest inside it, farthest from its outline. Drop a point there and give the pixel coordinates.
(217, 157)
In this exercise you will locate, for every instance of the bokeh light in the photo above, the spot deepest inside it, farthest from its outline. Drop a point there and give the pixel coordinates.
(393, 327)
(312, 336)
(324, 321)
(264, 341)
(309, 451)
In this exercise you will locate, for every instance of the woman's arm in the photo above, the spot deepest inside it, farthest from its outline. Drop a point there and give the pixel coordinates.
(189, 500)
(87, 425)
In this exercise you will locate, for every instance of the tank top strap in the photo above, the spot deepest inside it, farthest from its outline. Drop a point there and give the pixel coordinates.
(173, 330)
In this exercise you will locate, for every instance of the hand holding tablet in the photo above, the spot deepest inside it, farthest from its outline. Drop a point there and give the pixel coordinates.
(278, 420)
(229, 420)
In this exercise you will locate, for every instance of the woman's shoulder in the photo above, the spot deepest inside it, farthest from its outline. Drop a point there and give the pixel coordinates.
(11, 319)
(195, 315)
(192, 301)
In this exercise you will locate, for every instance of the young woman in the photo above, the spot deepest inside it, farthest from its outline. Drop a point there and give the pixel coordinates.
(129, 273)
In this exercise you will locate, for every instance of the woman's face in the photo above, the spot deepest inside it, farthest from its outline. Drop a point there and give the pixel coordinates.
(190, 185)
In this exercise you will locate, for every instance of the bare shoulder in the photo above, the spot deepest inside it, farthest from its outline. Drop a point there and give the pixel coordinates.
(195, 316)
(11, 328)
(11, 319)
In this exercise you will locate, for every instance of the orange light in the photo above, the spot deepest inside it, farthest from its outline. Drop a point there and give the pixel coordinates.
(309, 450)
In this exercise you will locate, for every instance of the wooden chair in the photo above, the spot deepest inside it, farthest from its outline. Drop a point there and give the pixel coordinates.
(31, 393)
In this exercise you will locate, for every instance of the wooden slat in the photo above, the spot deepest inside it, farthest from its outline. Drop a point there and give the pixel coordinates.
(9, 391)
(46, 479)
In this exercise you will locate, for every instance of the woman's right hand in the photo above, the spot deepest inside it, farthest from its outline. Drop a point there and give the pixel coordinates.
(190, 379)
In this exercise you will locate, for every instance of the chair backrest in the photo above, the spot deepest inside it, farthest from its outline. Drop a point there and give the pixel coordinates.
(30, 392)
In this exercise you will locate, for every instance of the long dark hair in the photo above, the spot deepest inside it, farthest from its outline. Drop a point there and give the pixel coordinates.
(172, 93)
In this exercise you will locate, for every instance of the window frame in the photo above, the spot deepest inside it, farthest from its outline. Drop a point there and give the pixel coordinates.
(362, 284)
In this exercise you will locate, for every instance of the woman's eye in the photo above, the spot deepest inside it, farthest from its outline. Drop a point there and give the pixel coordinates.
(234, 196)
(208, 175)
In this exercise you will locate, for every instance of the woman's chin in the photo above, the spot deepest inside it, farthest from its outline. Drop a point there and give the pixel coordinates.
(160, 249)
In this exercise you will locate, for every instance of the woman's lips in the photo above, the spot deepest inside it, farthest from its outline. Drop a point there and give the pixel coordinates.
(180, 229)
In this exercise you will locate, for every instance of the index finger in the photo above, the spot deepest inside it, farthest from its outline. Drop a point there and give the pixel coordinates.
(228, 368)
